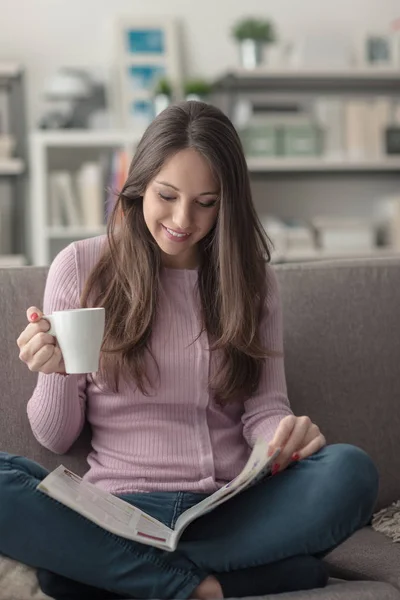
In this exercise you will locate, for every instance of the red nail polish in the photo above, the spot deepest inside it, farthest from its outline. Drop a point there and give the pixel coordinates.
(275, 469)
(295, 456)
(34, 317)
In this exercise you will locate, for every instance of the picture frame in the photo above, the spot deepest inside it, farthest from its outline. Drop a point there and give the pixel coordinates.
(376, 50)
(147, 50)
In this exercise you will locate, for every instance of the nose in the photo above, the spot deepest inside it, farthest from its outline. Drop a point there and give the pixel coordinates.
(182, 216)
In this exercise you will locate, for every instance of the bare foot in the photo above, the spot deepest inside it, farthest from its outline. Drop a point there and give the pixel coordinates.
(209, 589)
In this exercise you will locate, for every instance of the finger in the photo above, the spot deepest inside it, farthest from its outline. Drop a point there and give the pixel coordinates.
(55, 364)
(42, 356)
(33, 314)
(37, 342)
(295, 441)
(283, 432)
(312, 433)
(313, 447)
(31, 330)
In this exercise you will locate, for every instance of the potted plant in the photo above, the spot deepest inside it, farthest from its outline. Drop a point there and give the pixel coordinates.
(162, 95)
(196, 89)
(253, 35)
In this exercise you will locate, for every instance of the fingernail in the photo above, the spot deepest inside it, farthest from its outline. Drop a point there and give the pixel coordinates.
(295, 456)
(275, 469)
(270, 451)
(34, 317)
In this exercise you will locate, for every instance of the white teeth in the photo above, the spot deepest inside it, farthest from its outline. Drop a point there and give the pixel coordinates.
(180, 235)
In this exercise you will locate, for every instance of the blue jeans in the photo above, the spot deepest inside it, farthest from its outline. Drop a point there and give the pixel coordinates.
(308, 509)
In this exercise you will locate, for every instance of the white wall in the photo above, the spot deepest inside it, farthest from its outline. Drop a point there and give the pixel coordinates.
(44, 34)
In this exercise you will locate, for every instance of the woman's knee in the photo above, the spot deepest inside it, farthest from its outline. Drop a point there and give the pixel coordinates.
(17, 476)
(20, 464)
(354, 469)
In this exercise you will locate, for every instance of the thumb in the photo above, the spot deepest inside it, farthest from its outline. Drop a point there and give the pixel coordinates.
(34, 314)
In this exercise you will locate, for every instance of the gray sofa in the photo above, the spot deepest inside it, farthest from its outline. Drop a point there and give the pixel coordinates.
(342, 344)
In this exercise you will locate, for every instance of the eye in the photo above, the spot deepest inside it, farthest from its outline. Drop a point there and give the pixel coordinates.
(208, 204)
(167, 198)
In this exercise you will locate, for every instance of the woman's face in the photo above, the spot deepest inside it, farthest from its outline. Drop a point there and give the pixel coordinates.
(180, 207)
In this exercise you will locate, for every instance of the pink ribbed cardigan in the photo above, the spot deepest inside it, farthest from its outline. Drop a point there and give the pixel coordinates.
(178, 438)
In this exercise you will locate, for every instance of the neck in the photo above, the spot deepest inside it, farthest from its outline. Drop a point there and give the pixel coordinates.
(180, 262)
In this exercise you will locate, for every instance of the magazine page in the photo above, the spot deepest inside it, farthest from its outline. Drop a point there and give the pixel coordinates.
(106, 510)
(257, 467)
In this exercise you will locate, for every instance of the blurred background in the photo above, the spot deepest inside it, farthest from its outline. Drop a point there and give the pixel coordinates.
(312, 86)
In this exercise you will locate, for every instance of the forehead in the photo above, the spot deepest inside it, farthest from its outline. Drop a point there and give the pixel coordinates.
(188, 169)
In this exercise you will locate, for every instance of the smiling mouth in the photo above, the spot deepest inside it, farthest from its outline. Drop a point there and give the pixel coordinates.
(176, 234)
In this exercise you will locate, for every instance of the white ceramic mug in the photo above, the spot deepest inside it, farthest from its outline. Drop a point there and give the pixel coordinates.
(79, 333)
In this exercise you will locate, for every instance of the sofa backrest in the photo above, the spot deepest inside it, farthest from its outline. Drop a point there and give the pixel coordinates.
(20, 288)
(342, 347)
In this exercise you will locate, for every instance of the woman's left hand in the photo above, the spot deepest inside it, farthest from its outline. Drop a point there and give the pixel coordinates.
(297, 437)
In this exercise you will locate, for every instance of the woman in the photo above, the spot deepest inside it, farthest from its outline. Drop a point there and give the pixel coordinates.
(191, 375)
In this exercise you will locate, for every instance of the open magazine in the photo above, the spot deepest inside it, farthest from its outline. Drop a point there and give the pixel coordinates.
(121, 518)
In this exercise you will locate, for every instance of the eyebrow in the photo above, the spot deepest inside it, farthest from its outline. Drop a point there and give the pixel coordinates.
(178, 190)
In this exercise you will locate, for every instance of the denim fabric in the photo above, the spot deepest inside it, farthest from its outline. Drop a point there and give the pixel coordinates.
(308, 509)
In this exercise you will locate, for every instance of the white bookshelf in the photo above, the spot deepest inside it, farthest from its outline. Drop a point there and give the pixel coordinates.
(73, 232)
(10, 69)
(11, 166)
(354, 177)
(321, 254)
(80, 138)
(383, 164)
(43, 146)
(356, 73)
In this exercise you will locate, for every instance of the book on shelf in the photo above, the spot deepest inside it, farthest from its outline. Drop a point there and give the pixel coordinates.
(128, 521)
(89, 182)
(289, 237)
(117, 178)
(329, 113)
(65, 208)
(345, 234)
(85, 198)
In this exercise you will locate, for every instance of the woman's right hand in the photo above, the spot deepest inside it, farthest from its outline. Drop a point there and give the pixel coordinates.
(38, 349)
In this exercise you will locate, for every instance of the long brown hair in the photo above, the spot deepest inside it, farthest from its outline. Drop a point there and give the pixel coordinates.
(231, 277)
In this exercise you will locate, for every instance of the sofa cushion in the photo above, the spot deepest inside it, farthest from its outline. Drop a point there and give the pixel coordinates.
(367, 554)
(352, 590)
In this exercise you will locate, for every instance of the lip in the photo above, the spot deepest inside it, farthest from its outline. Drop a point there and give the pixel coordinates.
(174, 238)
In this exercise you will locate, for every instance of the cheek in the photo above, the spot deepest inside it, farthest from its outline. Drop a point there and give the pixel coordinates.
(152, 210)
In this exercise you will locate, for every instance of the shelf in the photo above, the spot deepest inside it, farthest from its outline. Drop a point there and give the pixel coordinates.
(10, 70)
(265, 165)
(11, 166)
(380, 73)
(319, 254)
(74, 232)
(261, 78)
(12, 260)
(84, 138)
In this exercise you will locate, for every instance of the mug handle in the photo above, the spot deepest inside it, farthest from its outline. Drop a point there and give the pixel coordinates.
(50, 319)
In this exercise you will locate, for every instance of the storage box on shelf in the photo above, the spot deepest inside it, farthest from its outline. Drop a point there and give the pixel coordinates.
(74, 177)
